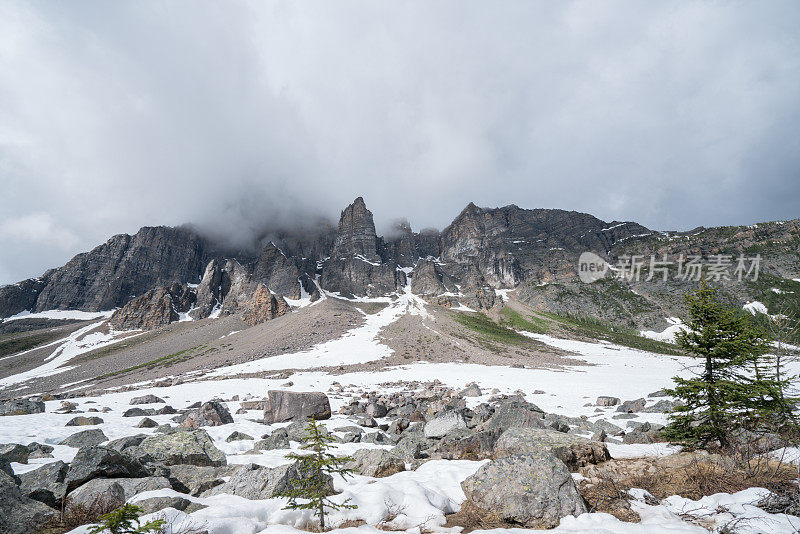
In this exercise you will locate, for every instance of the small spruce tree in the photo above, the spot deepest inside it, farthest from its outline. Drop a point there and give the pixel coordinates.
(733, 389)
(311, 491)
(125, 520)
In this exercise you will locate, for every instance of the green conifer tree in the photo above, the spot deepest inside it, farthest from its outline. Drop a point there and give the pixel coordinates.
(734, 389)
(125, 520)
(311, 492)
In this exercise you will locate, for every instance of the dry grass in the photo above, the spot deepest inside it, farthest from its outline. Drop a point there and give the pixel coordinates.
(695, 476)
(471, 518)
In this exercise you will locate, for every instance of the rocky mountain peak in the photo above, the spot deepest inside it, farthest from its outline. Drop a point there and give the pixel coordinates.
(356, 234)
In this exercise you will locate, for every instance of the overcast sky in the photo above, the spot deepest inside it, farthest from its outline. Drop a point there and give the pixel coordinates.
(234, 115)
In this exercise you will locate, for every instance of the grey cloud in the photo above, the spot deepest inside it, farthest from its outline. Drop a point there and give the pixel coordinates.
(243, 116)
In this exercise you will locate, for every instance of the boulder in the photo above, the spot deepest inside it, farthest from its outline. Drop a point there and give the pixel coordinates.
(46, 484)
(21, 407)
(607, 401)
(445, 423)
(156, 504)
(192, 447)
(292, 406)
(108, 489)
(375, 409)
(574, 451)
(238, 436)
(85, 438)
(14, 452)
(472, 390)
(411, 447)
(279, 439)
(632, 406)
(256, 482)
(20, 514)
(147, 423)
(375, 463)
(146, 399)
(105, 462)
(138, 412)
(534, 490)
(195, 480)
(84, 421)
(127, 442)
(211, 413)
(662, 406)
(467, 445)
(515, 413)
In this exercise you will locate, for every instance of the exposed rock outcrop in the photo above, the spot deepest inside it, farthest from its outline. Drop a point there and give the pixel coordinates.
(157, 307)
(264, 306)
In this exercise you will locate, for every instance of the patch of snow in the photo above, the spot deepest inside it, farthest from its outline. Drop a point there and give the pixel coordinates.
(612, 227)
(668, 334)
(755, 307)
(503, 293)
(61, 315)
(462, 308)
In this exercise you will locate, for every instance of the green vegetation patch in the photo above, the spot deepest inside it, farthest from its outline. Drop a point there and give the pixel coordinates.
(14, 343)
(619, 335)
(164, 361)
(515, 320)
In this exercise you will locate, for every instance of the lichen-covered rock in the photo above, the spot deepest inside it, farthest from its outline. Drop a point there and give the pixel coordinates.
(46, 484)
(21, 406)
(574, 451)
(256, 482)
(14, 452)
(114, 490)
(515, 413)
(292, 406)
(85, 438)
(104, 462)
(375, 463)
(467, 445)
(20, 514)
(534, 490)
(211, 413)
(445, 423)
(193, 447)
(279, 439)
(146, 399)
(84, 421)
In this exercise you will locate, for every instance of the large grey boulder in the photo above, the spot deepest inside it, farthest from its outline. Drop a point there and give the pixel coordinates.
(193, 447)
(293, 406)
(445, 423)
(534, 490)
(211, 413)
(20, 514)
(14, 452)
(605, 400)
(21, 407)
(467, 445)
(515, 413)
(82, 420)
(256, 482)
(146, 399)
(279, 439)
(85, 438)
(113, 489)
(573, 450)
(47, 484)
(127, 442)
(375, 463)
(412, 446)
(632, 406)
(102, 462)
(195, 480)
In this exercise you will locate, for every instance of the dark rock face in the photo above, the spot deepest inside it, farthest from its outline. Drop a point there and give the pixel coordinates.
(358, 263)
(264, 306)
(85, 438)
(126, 266)
(212, 413)
(509, 245)
(157, 307)
(46, 484)
(15, 298)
